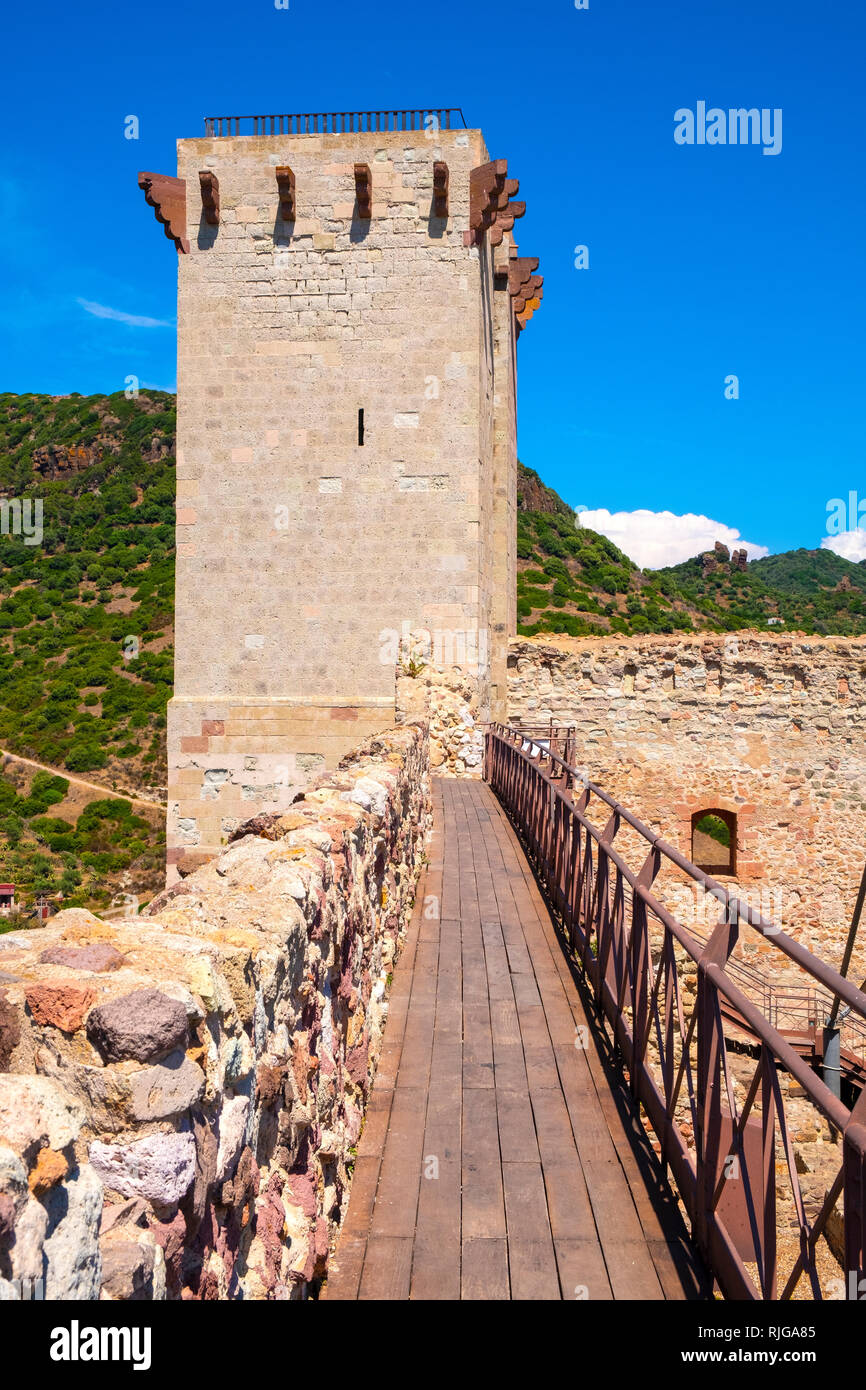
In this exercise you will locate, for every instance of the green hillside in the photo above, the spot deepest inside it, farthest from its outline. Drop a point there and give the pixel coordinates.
(85, 639)
(86, 616)
(808, 572)
(86, 624)
(574, 581)
(89, 850)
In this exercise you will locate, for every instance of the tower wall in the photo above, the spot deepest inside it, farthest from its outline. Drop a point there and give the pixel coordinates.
(303, 554)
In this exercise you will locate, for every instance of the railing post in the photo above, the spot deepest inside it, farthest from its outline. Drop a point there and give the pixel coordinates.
(639, 947)
(831, 1068)
(854, 1187)
(710, 1041)
(767, 1229)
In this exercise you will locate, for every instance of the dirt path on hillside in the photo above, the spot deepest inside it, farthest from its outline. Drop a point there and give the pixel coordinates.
(82, 782)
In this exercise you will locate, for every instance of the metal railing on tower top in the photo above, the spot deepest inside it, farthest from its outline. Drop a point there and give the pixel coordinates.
(427, 118)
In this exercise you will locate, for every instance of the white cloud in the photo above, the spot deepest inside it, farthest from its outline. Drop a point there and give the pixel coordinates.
(102, 311)
(851, 545)
(656, 539)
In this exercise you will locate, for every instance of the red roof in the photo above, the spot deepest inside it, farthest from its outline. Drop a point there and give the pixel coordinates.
(7, 888)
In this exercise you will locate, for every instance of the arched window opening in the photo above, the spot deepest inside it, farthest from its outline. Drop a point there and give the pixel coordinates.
(714, 841)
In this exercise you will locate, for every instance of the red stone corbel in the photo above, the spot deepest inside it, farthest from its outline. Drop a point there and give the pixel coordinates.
(486, 187)
(504, 221)
(167, 197)
(530, 307)
(440, 188)
(520, 270)
(531, 304)
(210, 196)
(525, 287)
(522, 282)
(286, 186)
(364, 191)
(490, 206)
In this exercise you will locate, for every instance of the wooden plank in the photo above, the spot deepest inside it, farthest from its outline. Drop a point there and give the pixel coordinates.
(484, 1271)
(568, 1206)
(517, 1139)
(344, 1270)
(396, 1205)
(376, 1116)
(541, 1070)
(531, 1261)
(680, 1273)
(387, 1268)
(365, 1178)
(553, 1127)
(483, 1207)
(582, 1271)
(631, 1271)
(436, 1258)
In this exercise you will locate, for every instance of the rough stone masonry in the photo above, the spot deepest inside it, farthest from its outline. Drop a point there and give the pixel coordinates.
(348, 309)
(181, 1094)
(768, 729)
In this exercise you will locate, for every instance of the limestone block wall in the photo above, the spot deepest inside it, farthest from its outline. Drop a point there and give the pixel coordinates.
(771, 728)
(504, 598)
(230, 759)
(180, 1095)
(301, 549)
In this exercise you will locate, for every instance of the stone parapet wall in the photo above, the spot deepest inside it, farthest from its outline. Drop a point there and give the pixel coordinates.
(769, 728)
(181, 1094)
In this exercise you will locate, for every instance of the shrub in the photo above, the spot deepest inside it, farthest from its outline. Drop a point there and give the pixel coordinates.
(85, 757)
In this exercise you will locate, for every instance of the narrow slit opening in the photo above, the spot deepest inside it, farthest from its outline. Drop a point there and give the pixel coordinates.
(361, 425)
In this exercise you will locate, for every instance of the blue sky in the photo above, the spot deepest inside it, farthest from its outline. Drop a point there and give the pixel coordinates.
(704, 261)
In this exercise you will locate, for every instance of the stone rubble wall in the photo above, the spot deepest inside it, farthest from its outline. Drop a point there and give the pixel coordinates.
(769, 727)
(181, 1093)
(446, 698)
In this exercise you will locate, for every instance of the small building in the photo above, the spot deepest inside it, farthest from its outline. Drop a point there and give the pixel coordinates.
(7, 899)
(46, 907)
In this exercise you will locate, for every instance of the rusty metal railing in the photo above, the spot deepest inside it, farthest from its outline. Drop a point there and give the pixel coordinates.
(674, 1047)
(430, 118)
(791, 1009)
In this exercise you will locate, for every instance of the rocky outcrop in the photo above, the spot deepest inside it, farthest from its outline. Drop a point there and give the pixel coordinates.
(534, 496)
(56, 460)
(59, 460)
(721, 558)
(182, 1092)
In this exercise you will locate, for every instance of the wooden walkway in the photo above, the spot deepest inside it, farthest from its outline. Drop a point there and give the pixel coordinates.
(498, 1159)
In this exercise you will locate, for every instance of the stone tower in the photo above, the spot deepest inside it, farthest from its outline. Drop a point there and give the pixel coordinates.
(349, 299)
